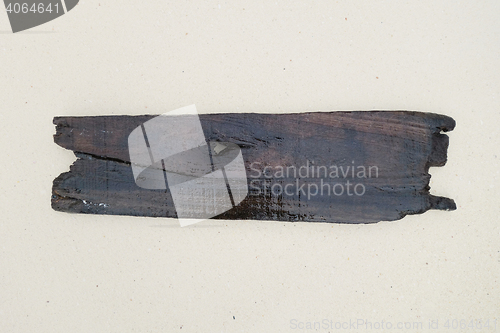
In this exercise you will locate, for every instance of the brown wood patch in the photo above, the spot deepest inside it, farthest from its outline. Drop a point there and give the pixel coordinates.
(402, 145)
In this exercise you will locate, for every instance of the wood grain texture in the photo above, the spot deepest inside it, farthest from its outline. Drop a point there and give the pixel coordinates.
(401, 144)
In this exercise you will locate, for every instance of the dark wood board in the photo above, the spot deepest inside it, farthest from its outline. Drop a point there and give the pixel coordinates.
(401, 144)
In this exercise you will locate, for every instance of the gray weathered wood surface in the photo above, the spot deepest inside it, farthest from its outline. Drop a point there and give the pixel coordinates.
(401, 144)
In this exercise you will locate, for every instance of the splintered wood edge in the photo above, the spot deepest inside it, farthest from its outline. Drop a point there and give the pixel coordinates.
(438, 158)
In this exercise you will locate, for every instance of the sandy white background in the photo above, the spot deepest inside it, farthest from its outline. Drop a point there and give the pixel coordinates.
(81, 273)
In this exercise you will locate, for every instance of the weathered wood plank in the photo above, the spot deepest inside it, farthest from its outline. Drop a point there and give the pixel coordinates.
(402, 145)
